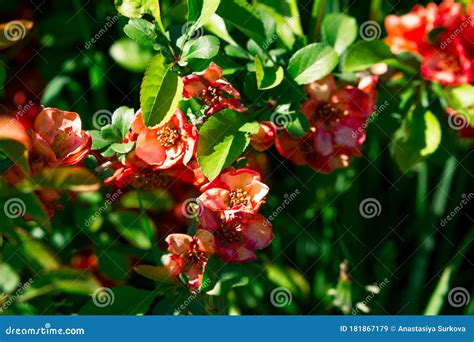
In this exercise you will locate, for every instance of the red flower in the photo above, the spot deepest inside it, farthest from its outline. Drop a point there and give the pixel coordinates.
(189, 255)
(235, 190)
(58, 139)
(172, 144)
(265, 137)
(336, 117)
(237, 234)
(216, 92)
(447, 53)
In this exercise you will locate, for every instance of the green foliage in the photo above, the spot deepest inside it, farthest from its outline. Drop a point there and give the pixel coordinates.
(160, 92)
(364, 54)
(312, 63)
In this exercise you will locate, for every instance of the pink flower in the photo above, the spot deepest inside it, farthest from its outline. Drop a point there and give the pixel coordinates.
(236, 190)
(172, 144)
(336, 116)
(58, 139)
(237, 234)
(216, 92)
(265, 138)
(189, 256)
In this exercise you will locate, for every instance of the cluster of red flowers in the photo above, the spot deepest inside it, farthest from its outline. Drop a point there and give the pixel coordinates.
(337, 118)
(53, 138)
(441, 35)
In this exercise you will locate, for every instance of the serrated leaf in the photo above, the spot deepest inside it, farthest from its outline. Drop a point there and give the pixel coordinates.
(339, 31)
(267, 77)
(364, 54)
(204, 47)
(243, 16)
(137, 8)
(312, 63)
(201, 11)
(221, 142)
(160, 92)
(141, 31)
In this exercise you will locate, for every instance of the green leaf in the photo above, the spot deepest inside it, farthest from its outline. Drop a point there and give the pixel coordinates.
(200, 12)
(159, 200)
(298, 125)
(137, 8)
(461, 99)
(267, 77)
(243, 16)
(133, 228)
(37, 253)
(3, 75)
(204, 47)
(312, 63)
(9, 279)
(130, 55)
(418, 137)
(339, 31)
(221, 142)
(364, 54)
(98, 141)
(156, 273)
(141, 31)
(27, 203)
(160, 93)
(62, 178)
(122, 300)
(123, 148)
(122, 119)
(17, 152)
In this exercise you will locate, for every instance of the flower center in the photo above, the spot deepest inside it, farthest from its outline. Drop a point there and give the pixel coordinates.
(328, 111)
(59, 144)
(194, 256)
(230, 232)
(238, 197)
(447, 62)
(167, 136)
